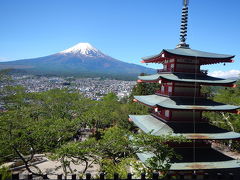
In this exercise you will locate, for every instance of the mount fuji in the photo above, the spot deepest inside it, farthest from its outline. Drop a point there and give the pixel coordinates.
(80, 60)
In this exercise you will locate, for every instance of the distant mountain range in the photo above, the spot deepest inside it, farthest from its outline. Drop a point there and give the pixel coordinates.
(80, 60)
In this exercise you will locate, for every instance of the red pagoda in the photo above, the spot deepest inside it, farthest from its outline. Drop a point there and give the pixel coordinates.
(178, 105)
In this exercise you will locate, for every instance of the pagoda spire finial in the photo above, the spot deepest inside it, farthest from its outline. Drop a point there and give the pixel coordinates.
(184, 21)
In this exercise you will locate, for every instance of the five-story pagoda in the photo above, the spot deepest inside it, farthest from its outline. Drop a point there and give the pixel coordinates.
(178, 105)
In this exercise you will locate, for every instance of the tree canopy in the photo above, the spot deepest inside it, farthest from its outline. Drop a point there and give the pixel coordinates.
(225, 120)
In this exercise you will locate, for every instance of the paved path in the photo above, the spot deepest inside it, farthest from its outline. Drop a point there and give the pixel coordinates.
(51, 168)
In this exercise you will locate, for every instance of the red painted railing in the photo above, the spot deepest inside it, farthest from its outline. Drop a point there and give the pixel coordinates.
(160, 116)
(164, 70)
(166, 93)
(182, 70)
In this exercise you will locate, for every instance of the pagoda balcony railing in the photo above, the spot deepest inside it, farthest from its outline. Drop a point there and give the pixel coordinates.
(166, 93)
(182, 70)
(179, 119)
(176, 119)
(160, 115)
(190, 119)
(187, 70)
(164, 70)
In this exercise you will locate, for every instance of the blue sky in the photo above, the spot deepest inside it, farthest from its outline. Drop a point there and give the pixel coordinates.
(124, 29)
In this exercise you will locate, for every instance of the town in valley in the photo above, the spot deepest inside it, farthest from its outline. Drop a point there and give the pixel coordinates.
(93, 88)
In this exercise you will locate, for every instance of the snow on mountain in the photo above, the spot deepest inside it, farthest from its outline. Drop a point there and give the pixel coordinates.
(83, 49)
(80, 60)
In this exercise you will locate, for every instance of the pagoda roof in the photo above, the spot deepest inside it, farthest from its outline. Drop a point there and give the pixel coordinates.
(150, 124)
(184, 103)
(189, 53)
(187, 78)
(205, 159)
(197, 53)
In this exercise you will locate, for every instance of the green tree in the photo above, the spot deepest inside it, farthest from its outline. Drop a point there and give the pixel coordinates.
(115, 151)
(144, 89)
(230, 121)
(76, 153)
(6, 174)
(39, 122)
(4, 76)
(103, 114)
(122, 167)
(118, 147)
(111, 152)
(162, 154)
(114, 144)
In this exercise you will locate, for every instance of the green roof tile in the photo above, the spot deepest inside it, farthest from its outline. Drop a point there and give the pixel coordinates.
(187, 77)
(148, 124)
(196, 165)
(184, 103)
(197, 53)
(197, 159)
(192, 53)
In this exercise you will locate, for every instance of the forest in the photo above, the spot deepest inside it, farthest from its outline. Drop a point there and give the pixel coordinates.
(55, 123)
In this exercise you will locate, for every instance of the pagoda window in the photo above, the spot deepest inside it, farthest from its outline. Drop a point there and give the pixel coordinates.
(168, 67)
(162, 89)
(188, 61)
(169, 88)
(186, 85)
(167, 113)
(165, 67)
(172, 67)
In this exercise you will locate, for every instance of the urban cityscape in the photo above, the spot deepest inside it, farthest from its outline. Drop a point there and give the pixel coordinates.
(93, 88)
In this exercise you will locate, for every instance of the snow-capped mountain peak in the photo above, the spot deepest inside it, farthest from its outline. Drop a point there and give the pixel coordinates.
(83, 49)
